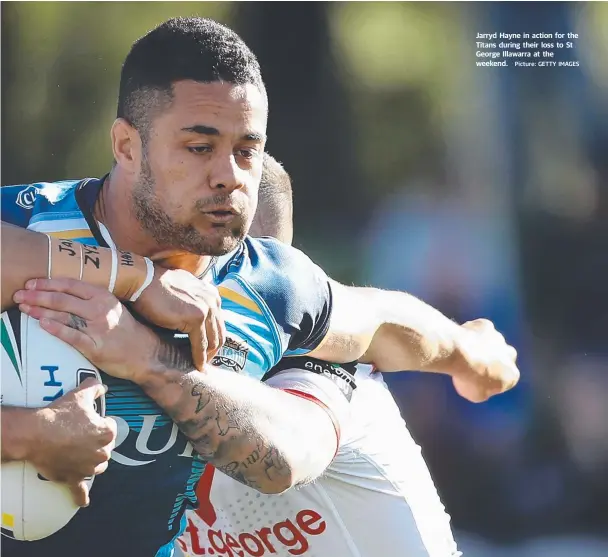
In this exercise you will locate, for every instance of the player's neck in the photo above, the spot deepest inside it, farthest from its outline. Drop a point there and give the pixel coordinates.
(128, 235)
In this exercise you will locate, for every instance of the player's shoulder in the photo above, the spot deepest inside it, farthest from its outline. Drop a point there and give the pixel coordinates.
(23, 203)
(274, 280)
(268, 254)
(275, 271)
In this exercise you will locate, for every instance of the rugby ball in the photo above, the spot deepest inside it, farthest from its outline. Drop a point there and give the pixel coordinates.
(37, 368)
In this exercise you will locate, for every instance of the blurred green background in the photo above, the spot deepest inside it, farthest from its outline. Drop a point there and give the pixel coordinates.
(482, 190)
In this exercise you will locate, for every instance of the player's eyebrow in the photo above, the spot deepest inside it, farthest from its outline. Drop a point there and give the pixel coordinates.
(203, 130)
(253, 136)
(209, 130)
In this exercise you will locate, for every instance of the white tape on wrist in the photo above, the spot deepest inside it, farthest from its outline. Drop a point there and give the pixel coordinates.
(81, 262)
(114, 270)
(48, 271)
(149, 277)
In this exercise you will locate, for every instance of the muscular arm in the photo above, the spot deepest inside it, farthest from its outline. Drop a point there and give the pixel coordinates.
(263, 437)
(173, 299)
(25, 256)
(393, 330)
(266, 437)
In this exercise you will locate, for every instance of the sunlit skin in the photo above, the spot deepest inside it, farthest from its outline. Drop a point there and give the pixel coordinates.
(192, 188)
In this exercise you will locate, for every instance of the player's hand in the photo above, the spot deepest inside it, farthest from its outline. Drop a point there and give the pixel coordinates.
(71, 440)
(178, 300)
(485, 365)
(95, 323)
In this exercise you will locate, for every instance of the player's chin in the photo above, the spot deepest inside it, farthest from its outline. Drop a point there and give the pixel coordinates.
(222, 240)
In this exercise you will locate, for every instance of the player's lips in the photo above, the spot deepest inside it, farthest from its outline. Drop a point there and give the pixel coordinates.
(221, 214)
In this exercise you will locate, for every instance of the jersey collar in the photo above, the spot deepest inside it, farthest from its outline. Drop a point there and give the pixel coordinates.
(87, 192)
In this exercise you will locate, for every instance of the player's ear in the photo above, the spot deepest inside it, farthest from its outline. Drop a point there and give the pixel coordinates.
(126, 145)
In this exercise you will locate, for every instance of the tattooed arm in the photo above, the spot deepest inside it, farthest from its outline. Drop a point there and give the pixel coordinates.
(263, 437)
(171, 298)
(25, 255)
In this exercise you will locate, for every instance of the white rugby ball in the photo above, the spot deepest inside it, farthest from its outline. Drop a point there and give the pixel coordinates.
(37, 368)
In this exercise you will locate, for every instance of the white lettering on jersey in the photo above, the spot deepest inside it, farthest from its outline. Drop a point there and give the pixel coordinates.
(27, 197)
(141, 442)
(289, 535)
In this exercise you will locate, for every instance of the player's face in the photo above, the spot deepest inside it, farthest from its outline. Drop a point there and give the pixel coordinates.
(201, 167)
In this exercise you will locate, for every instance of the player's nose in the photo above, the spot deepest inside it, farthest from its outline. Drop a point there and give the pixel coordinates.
(226, 174)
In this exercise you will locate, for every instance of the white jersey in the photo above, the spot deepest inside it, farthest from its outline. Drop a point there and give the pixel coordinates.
(376, 499)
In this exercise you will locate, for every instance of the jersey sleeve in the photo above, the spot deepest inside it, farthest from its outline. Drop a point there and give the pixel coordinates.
(17, 204)
(296, 291)
(330, 385)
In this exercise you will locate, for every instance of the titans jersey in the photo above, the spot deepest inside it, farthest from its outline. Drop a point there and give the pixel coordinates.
(276, 302)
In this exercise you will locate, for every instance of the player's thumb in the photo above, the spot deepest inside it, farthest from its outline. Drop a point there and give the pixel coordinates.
(198, 343)
(80, 493)
(90, 389)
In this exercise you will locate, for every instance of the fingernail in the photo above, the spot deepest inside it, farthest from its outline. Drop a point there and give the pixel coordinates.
(45, 322)
(18, 297)
(31, 284)
(24, 308)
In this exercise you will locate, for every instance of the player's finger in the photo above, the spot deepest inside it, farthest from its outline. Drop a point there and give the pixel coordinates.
(112, 425)
(79, 340)
(57, 301)
(215, 336)
(80, 493)
(90, 389)
(75, 287)
(101, 468)
(515, 375)
(198, 341)
(222, 333)
(38, 312)
(472, 393)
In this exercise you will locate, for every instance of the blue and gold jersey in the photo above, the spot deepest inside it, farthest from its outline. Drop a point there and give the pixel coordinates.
(276, 302)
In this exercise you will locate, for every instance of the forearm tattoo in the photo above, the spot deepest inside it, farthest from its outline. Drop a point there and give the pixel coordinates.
(217, 429)
(264, 459)
(91, 256)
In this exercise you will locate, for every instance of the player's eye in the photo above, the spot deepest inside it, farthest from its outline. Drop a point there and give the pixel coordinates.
(247, 153)
(198, 149)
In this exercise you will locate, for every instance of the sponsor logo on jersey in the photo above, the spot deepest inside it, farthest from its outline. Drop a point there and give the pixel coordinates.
(142, 441)
(291, 534)
(232, 356)
(27, 197)
(208, 538)
(338, 374)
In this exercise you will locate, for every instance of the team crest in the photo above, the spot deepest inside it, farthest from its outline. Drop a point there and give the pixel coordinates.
(232, 356)
(27, 197)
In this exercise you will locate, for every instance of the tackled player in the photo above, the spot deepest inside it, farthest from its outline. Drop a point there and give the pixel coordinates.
(188, 145)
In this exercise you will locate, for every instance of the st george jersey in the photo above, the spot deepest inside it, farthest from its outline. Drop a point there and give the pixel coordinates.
(275, 301)
(375, 499)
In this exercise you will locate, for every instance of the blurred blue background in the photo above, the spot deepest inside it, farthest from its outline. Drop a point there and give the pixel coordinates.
(482, 190)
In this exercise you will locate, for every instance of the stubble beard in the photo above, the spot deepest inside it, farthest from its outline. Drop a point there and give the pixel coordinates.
(171, 235)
